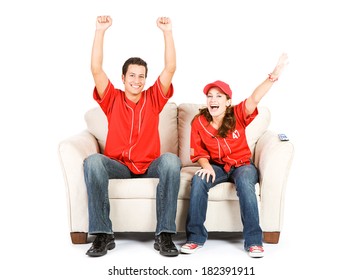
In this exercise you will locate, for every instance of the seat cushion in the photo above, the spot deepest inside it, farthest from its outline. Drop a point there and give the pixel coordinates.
(144, 188)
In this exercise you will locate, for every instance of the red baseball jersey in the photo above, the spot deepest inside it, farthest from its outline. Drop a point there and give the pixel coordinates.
(230, 151)
(133, 137)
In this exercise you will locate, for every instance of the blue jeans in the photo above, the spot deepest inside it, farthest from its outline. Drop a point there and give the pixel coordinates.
(244, 177)
(98, 169)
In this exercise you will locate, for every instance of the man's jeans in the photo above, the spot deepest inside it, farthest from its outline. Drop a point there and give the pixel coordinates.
(98, 169)
(244, 177)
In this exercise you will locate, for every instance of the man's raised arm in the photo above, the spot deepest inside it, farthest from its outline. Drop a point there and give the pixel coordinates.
(164, 23)
(99, 76)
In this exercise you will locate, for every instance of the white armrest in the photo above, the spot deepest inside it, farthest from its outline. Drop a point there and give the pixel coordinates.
(72, 152)
(273, 159)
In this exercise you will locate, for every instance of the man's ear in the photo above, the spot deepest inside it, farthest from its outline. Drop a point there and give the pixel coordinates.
(122, 78)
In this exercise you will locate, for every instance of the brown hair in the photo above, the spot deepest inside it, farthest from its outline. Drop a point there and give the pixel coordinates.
(228, 122)
(136, 61)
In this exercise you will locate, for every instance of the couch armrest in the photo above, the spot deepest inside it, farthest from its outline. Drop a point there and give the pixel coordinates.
(72, 152)
(273, 159)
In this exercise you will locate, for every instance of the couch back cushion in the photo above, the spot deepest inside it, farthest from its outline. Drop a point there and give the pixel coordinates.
(97, 125)
(187, 111)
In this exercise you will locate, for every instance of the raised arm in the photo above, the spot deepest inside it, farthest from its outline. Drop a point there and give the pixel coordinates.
(99, 76)
(164, 23)
(253, 100)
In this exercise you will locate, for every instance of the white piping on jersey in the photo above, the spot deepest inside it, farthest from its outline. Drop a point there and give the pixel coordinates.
(160, 89)
(105, 93)
(135, 166)
(130, 135)
(218, 143)
(143, 105)
(212, 136)
(139, 129)
(227, 145)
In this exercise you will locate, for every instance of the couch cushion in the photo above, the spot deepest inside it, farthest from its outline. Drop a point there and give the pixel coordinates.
(257, 127)
(145, 188)
(186, 112)
(97, 125)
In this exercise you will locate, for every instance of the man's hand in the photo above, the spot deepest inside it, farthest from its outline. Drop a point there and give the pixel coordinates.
(103, 22)
(164, 23)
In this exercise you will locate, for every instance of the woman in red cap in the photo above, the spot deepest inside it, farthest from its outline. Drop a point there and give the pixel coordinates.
(219, 145)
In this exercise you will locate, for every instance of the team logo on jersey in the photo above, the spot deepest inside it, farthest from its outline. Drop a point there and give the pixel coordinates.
(236, 134)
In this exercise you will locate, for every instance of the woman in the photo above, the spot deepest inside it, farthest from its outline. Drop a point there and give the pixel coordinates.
(219, 145)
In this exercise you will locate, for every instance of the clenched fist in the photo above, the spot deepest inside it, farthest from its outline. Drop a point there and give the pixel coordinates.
(103, 22)
(164, 23)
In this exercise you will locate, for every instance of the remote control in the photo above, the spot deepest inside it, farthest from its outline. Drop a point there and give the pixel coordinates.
(283, 137)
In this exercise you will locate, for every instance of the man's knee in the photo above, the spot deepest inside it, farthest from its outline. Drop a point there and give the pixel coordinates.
(93, 161)
(171, 161)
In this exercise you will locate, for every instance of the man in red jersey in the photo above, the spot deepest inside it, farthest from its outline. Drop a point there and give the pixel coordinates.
(132, 147)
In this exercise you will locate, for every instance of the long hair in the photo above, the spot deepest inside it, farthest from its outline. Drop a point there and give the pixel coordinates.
(228, 122)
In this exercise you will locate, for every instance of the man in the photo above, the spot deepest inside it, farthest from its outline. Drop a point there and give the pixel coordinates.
(132, 147)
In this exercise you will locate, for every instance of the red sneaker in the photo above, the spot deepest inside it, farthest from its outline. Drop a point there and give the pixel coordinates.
(256, 251)
(190, 248)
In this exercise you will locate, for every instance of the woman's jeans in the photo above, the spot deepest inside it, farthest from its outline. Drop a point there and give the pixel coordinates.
(244, 177)
(98, 169)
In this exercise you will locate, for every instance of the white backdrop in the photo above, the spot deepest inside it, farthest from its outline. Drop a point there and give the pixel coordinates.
(47, 87)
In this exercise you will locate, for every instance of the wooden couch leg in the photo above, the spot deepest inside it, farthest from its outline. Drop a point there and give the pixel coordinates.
(271, 237)
(79, 237)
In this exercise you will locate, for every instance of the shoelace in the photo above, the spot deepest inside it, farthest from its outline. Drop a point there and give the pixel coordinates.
(190, 246)
(167, 240)
(256, 248)
(100, 238)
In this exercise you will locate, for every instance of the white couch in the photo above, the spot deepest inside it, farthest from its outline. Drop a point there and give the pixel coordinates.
(133, 200)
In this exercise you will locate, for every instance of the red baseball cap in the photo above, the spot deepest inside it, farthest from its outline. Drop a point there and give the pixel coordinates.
(225, 88)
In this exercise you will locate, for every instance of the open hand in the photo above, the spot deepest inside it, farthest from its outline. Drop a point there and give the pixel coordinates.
(206, 172)
(282, 62)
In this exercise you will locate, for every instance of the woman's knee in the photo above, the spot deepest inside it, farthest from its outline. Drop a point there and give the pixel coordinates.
(246, 174)
(199, 185)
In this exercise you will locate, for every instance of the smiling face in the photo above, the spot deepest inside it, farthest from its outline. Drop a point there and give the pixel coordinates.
(134, 81)
(217, 102)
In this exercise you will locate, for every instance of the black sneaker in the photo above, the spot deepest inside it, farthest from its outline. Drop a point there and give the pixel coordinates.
(164, 244)
(101, 244)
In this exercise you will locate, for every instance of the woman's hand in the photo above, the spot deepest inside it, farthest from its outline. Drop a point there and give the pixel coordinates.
(208, 171)
(282, 62)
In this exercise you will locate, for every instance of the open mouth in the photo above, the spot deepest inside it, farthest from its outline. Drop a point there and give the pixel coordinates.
(214, 107)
